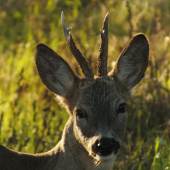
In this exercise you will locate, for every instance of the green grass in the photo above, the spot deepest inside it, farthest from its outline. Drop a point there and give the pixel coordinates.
(30, 118)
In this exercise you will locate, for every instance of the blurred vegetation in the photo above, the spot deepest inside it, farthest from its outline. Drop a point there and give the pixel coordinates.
(30, 118)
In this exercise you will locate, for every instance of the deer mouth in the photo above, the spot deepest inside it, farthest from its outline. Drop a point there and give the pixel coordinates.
(101, 158)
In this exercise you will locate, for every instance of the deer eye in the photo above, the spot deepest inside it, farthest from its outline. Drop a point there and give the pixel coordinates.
(80, 114)
(122, 108)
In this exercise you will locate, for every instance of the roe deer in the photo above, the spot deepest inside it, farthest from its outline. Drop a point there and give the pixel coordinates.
(97, 106)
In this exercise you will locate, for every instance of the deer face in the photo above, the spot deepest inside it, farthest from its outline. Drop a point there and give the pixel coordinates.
(97, 106)
(100, 118)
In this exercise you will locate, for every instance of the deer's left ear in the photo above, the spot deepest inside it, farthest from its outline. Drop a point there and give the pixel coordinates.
(54, 72)
(132, 62)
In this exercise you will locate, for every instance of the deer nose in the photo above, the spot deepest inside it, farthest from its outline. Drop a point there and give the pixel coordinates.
(105, 146)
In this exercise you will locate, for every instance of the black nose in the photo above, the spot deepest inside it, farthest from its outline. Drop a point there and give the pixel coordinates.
(105, 146)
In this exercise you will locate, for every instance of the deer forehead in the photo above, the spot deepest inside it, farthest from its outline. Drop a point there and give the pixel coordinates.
(99, 92)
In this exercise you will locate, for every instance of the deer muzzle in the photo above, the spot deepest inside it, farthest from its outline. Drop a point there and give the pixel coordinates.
(106, 146)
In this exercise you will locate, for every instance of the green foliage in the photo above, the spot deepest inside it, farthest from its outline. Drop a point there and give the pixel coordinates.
(30, 118)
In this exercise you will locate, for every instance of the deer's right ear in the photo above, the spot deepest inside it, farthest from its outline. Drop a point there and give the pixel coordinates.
(54, 72)
(132, 63)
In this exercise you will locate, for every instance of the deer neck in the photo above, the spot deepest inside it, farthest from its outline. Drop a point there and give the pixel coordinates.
(74, 154)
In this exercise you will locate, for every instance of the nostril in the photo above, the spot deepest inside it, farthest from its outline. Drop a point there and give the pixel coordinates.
(116, 146)
(105, 146)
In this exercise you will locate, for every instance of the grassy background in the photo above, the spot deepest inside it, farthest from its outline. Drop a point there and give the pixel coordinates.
(30, 118)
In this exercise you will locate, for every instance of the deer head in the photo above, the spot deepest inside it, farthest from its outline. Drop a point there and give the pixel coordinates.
(97, 105)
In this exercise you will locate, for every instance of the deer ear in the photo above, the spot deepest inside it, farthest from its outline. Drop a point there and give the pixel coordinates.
(132, 62)
(54, 72)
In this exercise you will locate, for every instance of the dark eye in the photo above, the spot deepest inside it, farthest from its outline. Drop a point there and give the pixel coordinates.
(122, 108)
(80, 114)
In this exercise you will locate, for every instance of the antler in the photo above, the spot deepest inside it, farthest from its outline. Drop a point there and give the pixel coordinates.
(77, 54)
(102, 60)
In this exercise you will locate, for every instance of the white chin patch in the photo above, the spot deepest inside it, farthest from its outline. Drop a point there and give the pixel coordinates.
(104, 162)
(110, 157)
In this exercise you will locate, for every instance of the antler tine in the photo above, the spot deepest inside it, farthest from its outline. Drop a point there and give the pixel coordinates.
(102, 60)
(77, 54)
